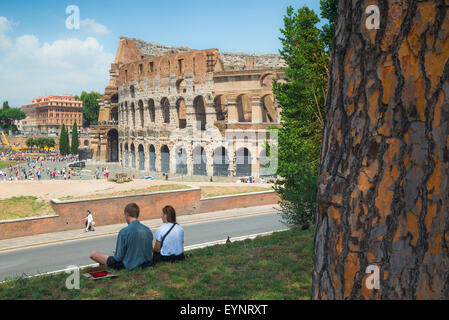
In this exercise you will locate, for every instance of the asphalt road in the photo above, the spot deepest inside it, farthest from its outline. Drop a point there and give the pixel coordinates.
(53, 257)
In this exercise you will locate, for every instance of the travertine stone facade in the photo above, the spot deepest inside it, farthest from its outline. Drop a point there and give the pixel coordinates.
(186, 111)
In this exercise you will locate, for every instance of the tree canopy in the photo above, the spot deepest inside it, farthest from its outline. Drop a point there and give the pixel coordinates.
(75, 141)
(302, 99)
(91, 108)
(9, 115)
(64, 144)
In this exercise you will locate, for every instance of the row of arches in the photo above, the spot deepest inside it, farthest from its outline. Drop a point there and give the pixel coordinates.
(136, 157)
(128, 112)
(244, 111)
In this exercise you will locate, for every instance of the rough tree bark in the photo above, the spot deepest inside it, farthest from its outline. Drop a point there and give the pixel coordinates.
(383, 191)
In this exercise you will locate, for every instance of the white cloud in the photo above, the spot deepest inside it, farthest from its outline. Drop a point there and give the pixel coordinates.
(31, 68)
(5, 26)
(90, 26)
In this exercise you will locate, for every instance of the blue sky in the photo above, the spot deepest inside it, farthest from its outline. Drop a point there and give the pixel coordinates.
(40, 56)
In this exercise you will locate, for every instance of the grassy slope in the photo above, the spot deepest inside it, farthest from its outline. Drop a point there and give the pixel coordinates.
(274, 267)
(158, 188)
(24, 207)
(206, 191)
(212, 191)
(5, 164)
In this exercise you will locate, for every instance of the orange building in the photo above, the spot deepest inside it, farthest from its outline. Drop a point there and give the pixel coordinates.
(47, 114)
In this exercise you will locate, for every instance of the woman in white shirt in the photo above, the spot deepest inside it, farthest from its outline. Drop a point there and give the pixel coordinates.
(89, 222)
(169, 246)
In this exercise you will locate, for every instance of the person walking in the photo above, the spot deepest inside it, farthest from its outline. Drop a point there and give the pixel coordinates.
(89, 222)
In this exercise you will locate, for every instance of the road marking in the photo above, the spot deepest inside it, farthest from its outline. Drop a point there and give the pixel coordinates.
(187, 248)
(105, 234)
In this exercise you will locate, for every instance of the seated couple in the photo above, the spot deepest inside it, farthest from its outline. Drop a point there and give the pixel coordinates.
(135, 242)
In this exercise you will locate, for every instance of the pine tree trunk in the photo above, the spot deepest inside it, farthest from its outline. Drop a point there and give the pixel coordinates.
(383, 190)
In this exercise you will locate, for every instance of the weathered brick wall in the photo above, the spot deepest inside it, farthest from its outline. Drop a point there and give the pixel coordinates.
(106, 212)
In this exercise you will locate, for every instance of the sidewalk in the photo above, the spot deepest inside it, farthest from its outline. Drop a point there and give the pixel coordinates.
(23, 242)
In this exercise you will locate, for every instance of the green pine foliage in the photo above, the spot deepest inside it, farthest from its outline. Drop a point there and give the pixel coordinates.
(75, 141)
(64, 145)
(302, 99)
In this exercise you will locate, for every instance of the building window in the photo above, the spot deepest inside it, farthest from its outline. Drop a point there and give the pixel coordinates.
(140, 68)
(181, 65)
(210, 62)
(151, 66)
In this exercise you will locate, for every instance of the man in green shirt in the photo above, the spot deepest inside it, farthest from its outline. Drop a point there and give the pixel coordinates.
(134, 244)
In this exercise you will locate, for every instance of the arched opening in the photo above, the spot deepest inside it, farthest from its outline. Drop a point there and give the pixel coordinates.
(221, 162)
(182, 113)
(181, 161)
(199, 161)
(141, 115)
(181, 86)
(126, 156)
(165, 106)
(165, 159)
(269, 113)
(244, 108)
(220, 104)
(133, 115)
(152, 110)
(243, 162)
(112, 145)
(114, 98)
(152, 158)
(113, 116)
(199, 105)
(141, 158)
(132, 90)
(133, 156)
(267, 80)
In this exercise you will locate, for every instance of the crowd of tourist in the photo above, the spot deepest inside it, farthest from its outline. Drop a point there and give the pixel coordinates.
(37, 158)
(23, 166)
(35, 171)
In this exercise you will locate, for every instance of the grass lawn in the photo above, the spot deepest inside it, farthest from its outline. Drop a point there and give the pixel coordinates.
(211, 191)
(206, 191)
(274, 267)
(5, 164)
(24, 207)
(164, 187)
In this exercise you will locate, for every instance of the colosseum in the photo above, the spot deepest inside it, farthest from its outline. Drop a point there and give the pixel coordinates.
(192, 112)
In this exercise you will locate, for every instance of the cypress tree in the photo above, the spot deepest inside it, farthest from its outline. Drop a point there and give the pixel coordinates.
(64, 147)
(75, 141)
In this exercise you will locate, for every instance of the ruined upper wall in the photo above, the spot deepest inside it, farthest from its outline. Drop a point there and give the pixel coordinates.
(230, 61)
(196, 62)
(128, 52)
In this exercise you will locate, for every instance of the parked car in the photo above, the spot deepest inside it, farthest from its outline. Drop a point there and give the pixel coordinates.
(77, 164)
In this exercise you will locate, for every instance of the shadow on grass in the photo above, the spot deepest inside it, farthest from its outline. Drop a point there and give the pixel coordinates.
(273, 267)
